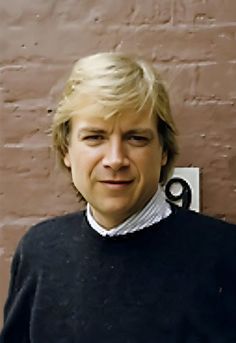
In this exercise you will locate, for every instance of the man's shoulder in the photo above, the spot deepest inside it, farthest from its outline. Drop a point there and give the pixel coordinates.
(204, 223)
(211, 221)
(51, 229)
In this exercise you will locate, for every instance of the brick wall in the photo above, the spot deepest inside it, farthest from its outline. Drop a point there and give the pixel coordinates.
(193, 42)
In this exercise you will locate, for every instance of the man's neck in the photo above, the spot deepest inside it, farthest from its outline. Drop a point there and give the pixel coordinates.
(155, 210)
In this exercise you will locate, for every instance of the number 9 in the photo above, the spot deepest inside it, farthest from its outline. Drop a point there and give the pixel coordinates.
(185, 195)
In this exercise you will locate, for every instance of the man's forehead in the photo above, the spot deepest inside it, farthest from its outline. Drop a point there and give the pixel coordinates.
(124, 120)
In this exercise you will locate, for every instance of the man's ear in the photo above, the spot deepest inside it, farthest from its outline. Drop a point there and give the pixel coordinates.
(67, 160)
(164, 158)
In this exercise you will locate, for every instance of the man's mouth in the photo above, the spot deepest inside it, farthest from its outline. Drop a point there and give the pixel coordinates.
(116, 184)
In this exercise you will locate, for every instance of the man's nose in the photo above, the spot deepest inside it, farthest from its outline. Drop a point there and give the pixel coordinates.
(116, 156)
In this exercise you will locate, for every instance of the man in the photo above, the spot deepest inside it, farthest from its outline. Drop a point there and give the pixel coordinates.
(132, 267)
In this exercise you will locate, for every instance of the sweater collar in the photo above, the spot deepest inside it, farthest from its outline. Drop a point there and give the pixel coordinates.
(155, 210)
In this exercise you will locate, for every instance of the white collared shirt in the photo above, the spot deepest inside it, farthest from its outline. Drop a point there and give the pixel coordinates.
(155, 210)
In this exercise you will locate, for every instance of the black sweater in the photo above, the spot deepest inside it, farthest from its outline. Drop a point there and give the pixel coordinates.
(172, 282)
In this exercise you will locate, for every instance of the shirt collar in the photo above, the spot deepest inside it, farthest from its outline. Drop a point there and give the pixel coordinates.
(155, 210)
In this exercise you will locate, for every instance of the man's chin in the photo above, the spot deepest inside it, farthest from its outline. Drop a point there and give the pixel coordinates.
(115, 214)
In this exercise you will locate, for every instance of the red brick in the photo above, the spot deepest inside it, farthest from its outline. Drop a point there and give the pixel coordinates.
(116, 12)
(133, 12)
(15, 12)
(206, 117)
(180, 83)
(170, 44)
(225, 44)
(26, 126)
(204, 12)
(217, 81)
(29, 81)
(36, 187)
(67, 43)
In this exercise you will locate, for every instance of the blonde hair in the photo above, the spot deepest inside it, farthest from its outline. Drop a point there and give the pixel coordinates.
(111, 83)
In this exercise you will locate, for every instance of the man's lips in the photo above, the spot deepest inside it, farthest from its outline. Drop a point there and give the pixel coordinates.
(117, 181)
(116, 184)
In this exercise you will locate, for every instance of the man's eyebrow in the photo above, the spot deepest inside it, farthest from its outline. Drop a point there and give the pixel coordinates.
(96, 130)
(90, 130)
(140, 131)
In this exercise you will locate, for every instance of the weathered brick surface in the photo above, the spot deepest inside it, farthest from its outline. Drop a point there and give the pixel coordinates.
(217, 81)
(204, 11)
(192, 42)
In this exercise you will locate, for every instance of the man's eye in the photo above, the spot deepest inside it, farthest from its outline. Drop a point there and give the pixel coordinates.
(138, 140)
(93, 139)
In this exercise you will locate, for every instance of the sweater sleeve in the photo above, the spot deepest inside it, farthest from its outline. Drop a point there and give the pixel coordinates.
(19, 302)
